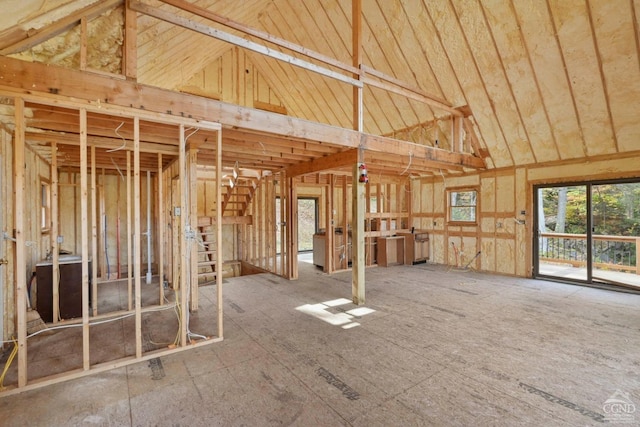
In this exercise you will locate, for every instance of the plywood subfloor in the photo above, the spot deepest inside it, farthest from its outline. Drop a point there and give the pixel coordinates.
(430, 347)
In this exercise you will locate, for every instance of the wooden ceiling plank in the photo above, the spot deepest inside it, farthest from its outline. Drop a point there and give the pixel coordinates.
(205, 13)
(239, 41)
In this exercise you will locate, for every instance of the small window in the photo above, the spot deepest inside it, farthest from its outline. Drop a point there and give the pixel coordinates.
(45, 206)
(462, 206)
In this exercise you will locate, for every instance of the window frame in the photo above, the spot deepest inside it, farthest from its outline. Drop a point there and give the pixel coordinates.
(45, 205)
(450, 206)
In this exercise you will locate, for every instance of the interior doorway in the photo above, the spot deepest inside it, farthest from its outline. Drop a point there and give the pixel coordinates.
(307, 222)
(588, 232)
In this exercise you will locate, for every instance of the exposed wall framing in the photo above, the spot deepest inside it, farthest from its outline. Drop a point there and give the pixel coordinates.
(91, 190)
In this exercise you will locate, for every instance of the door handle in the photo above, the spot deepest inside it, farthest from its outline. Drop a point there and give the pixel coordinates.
(3, 261)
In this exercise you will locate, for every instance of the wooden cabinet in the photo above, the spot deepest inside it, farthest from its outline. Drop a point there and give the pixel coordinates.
(390, 250)
(70, 288)
(341, 253)
(416, 247)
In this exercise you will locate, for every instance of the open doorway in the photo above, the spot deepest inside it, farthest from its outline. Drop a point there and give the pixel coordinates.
(307, 227)
(589, 232)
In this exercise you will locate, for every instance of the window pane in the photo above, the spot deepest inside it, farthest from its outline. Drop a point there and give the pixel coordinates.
(462, 206)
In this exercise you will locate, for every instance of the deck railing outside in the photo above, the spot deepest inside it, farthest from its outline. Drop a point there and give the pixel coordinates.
(615, 253)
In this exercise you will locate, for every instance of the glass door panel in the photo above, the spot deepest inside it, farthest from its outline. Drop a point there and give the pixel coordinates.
(562, 232)
(616, 233)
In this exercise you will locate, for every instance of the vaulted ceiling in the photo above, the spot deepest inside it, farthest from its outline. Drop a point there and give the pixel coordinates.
(545, 81)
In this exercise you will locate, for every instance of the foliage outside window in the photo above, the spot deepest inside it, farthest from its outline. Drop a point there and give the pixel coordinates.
(45, 206)
(462, 206)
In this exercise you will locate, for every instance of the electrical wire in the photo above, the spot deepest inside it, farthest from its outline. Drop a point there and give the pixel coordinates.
(8, 363)
(124, 141)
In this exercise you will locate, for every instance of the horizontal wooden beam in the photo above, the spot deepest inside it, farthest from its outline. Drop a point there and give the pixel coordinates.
(205, 221)
(397, 86)
(344, 158)
(114, 144)
(239, 41)
(205, 13)
(61, 86)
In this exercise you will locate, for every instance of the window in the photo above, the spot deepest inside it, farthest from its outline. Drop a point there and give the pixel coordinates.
(45, 206)
(462, 206)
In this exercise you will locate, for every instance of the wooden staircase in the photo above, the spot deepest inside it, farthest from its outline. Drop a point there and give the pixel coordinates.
(239, 187)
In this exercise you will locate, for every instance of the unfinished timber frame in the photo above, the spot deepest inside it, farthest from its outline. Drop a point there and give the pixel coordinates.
(86, 127)
(86, 120)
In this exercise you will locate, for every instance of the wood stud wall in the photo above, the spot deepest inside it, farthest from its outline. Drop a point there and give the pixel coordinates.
(88, 192)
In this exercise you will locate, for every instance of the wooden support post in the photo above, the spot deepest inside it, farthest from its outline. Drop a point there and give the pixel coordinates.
(283, 227)
(192, 218)
(345, 222)
(20, 252)
(270, 231)
(129, 233)
(184, 273)
(102, 220)
(219, 259)
(137, 251)
(457, 141)
(356, 39)
(160, 228)
(130, 63)
(369, 241)
(55, 231)
(292, 229)
(84, 237)
(83, 43)
(358, 264)
(329, 245)
(94, 235)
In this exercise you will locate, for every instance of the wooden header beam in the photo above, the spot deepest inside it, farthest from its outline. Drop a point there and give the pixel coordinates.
(56, 85)
(338, 160)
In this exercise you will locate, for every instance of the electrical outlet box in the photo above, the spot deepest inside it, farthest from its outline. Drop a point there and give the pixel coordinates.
(176, 211)
(60, 239)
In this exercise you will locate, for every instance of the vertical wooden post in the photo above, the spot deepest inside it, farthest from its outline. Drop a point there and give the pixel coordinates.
(83, 43)
(292, 229)
(160, 230)
(345, 223)
(55, 231)
(184, 274)
(137, 267)
(457, 142)
(283, 225)
(192, 218)
(358, 266)
(356, 19)
(20, 255)
(129, 242)
(94, 235)
(84, 236)
(270, 205)
(329, 245)
(130, 63)
(219, 231)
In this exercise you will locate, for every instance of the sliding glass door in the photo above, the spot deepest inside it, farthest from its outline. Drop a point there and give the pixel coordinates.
(562, 232)
(589, 232)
